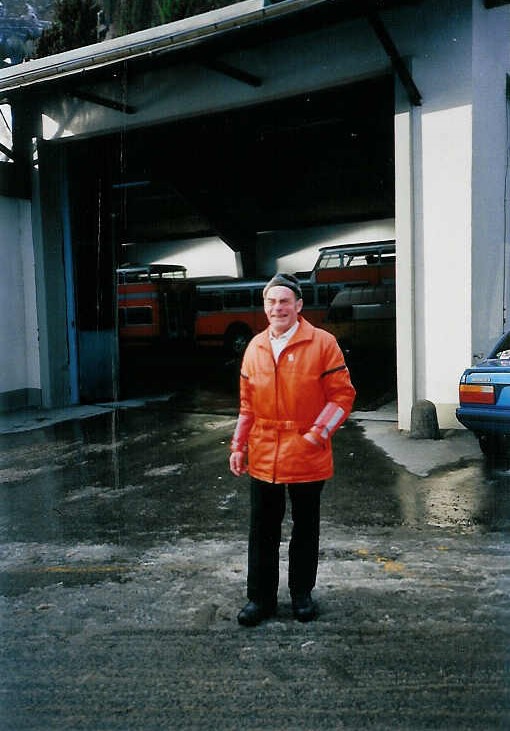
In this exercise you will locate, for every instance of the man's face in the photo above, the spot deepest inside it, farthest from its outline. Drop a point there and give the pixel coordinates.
(282, 308)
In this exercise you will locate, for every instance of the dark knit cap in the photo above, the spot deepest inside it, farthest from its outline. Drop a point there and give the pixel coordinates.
(284, 280)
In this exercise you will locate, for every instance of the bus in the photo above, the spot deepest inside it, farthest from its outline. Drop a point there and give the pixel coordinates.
(356, 264)
(155, 304)
(229, 313)
(350, 291)
(363, 318)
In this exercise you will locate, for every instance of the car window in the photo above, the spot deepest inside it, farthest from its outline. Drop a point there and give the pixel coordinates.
(502, 346)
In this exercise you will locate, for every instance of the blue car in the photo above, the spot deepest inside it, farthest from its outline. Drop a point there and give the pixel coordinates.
(484, 398)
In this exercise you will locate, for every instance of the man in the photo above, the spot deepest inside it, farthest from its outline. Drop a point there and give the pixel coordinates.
(295, 392)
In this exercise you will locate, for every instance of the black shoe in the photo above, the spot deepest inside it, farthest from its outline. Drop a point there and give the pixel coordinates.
(304, 608)
(253, 614)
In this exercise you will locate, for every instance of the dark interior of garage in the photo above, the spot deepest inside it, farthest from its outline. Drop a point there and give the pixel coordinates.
(320, 158)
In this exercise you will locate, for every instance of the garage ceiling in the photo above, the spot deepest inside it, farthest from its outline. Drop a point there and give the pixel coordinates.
(322, 157)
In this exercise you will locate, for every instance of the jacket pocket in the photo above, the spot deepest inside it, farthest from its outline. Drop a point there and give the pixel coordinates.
(300, 459)
(262, 449)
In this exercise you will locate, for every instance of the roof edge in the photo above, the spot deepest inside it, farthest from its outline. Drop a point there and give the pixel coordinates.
(184, 34)
(160, 39)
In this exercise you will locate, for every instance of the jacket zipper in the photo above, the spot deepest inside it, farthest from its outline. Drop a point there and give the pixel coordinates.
(276, 370)
(277, 414)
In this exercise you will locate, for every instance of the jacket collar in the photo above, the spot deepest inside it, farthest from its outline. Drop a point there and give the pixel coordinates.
(304, 332)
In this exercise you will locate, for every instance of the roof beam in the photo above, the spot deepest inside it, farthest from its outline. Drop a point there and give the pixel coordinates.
(8, 153)
(89, 96)
(396, 59)
(235, 73)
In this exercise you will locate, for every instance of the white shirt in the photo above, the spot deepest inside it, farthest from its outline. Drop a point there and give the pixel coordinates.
(279, 343)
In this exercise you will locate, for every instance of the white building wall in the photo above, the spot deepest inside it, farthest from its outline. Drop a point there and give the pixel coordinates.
(490, 293)
(433, 212)
(19, 351)
(444, 299)
(459, 252)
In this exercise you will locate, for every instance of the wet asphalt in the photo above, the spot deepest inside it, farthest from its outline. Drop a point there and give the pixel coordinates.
(123, 567)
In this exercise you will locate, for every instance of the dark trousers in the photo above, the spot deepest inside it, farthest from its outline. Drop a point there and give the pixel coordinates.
(267, 513)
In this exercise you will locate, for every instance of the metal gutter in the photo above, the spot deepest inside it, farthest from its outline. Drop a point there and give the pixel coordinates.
(135, 45)
(179, 36)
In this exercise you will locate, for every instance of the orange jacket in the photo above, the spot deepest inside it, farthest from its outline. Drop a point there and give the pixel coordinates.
(282, 401)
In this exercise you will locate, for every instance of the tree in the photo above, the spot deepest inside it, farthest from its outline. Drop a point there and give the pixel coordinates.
(75, 22)
(74, 25)
(170, 10)
(132, 15)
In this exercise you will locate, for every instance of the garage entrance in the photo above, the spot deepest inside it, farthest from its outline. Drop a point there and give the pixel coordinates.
(322, 158)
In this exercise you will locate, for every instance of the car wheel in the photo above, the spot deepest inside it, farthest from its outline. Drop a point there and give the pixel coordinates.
(491, 444)
(236, 340)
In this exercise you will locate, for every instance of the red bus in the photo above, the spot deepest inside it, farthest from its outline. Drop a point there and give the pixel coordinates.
(159, 304)
(155, 304)
(229, 313)
(371, 263)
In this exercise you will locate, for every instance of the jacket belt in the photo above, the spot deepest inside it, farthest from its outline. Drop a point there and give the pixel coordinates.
(280, 425)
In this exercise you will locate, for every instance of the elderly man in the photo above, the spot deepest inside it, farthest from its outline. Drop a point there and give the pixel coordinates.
(295, 392)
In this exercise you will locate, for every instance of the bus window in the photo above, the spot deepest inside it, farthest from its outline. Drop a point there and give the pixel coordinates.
(371, 263)
(331, 261)
(322, 294)
(308, 294)
(210, 301)
(357, 260)
(229, 314)
(326, 292)
(236, 299)
(130, 273)
(135, 316)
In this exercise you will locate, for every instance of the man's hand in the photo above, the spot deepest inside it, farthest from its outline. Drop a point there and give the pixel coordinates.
(238, 463)
(310, 437)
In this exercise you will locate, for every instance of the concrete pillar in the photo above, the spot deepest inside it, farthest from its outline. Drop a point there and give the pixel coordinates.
(444, 263)
(405, 242)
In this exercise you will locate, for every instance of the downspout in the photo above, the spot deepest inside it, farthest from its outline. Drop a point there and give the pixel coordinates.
(506, 212)
(72, 340)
